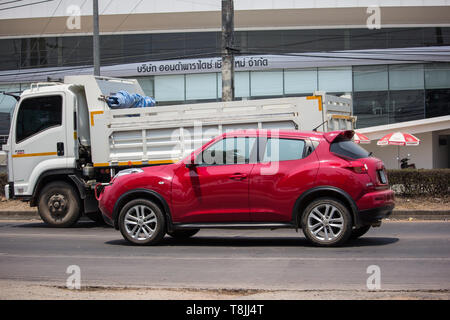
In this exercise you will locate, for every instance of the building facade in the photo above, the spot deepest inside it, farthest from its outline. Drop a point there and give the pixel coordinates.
(393, 57)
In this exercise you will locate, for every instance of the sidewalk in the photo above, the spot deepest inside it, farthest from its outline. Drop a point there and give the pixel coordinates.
(396, 215)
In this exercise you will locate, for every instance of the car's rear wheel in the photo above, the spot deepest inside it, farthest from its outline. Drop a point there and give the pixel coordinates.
(142, 222)
(183, 234)
(358, 232)
(327, 222)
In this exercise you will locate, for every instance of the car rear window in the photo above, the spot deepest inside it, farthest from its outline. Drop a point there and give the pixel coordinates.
(348, 148)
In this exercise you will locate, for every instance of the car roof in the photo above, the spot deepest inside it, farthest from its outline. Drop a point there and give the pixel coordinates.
(276, 132)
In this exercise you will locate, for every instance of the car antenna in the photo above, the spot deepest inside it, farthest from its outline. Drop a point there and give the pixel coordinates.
(315, 129)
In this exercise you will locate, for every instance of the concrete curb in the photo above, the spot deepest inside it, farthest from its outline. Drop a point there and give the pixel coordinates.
(396, 215)
(19, 215)
(421, 214)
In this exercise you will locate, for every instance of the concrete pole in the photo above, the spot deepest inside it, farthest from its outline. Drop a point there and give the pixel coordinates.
(96, 40)
(227, 53)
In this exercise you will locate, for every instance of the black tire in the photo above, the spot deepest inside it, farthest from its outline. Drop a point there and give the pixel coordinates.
(340, 227)
(183, 234)
(59, 204)
(142, 227)
(358, 232)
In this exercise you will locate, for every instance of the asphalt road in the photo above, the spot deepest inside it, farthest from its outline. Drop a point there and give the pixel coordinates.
(411, 256)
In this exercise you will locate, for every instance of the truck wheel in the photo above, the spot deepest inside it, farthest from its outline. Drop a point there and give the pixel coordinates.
(142, 222)
(327, 222)
(358, 232)
(183, 234)
(59, 204)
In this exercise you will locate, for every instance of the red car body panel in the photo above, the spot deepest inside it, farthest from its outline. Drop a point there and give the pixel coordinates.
(251, 192)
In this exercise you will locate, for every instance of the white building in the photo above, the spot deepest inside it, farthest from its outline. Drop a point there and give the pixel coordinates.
(393, 58)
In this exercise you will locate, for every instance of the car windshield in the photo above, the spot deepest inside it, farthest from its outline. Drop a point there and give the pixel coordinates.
(349, 149)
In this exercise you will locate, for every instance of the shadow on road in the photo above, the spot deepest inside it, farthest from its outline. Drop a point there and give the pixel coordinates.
(200, 241)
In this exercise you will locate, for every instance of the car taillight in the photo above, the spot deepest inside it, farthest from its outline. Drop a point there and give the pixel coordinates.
(357, 167)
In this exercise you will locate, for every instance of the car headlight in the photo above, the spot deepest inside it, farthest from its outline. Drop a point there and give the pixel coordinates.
(127, 171)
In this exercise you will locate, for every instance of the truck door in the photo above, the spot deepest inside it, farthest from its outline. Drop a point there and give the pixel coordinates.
(38, 140)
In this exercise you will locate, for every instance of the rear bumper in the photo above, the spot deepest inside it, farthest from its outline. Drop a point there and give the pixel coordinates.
(374, 206)
(374, 215)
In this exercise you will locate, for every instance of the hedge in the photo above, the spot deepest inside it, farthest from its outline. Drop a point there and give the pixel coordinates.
(420, 182)
(3, 182)
(405, 182)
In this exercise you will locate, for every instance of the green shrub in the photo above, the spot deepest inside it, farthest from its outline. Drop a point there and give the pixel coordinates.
(3, 182)
(420, 182)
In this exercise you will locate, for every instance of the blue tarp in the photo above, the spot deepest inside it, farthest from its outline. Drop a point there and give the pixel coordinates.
(123, 99)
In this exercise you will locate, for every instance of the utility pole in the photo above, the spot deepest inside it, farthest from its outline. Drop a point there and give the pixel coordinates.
(96, 39)
(227, 50)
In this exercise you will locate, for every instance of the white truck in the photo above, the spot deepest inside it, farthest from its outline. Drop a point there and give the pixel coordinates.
(65, 139)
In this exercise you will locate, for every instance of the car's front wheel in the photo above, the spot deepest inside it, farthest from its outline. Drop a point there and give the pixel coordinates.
(142, 222)
(327, 222)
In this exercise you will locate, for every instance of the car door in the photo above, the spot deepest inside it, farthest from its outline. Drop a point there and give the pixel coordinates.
(286, 169)
(216, 188)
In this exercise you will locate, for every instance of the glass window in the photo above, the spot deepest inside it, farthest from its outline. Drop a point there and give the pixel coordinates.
(201, 86)
(38, 114)
(241, 84)
(228, 151)
(371, 108)
(406, 105)
(335, 79)
(300, 81)
(437, 76)
(348, 148)
(406, 77)
(169, 88)
(266, 83)
(283, 149)
(7, 103)
(147, 85)
(437, 102)
(370, 78)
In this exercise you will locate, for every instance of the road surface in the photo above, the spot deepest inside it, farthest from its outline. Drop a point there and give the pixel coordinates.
(412, 257)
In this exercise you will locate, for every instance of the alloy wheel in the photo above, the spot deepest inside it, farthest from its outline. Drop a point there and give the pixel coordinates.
(325, 222)
(140, 222)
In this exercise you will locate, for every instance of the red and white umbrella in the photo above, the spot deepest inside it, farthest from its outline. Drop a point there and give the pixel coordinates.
(399, 139)
(360, 138)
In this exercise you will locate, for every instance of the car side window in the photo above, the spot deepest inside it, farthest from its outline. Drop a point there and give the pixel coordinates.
(283, 149)
(38, 114)
(227, 151)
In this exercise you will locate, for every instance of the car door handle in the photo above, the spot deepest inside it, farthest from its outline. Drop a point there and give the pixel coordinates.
(238, 176)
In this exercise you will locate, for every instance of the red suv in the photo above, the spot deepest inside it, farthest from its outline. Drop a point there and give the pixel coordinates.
(321, 182)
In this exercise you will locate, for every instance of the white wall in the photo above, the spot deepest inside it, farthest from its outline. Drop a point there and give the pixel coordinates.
(441, 153)
(421, 155)
(59, 8)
